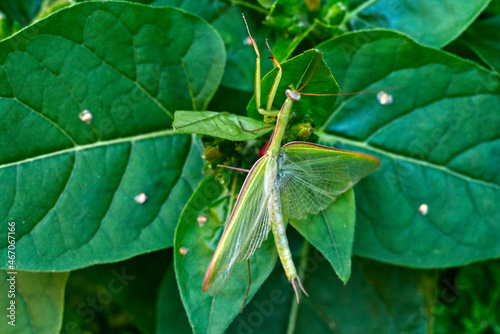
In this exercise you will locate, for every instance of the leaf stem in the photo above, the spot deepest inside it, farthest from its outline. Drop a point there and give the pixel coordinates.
(354, 13)
(249, 5)
(304, 255)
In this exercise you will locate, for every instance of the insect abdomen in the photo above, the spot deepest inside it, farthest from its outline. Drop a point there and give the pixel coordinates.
(278, 228)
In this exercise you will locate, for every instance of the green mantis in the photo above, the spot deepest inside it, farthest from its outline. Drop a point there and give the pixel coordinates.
(287, 182)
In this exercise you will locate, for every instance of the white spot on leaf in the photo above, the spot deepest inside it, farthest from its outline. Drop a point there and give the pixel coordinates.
(384, 98)
(423, 209)
(141, 198)
(85, 116)
(183, 250)
(202, 219)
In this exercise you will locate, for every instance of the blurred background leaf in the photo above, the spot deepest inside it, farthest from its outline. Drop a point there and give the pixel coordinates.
(469, 299)
(430, 22)
(38, 301)
(105, 298)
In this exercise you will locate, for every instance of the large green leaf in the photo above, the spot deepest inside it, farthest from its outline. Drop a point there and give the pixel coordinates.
(438, 143)
(220, 125)
(332, 232)
(196, 238)
(431, 22)
(484, 38)
(130, 66)
(38, 301)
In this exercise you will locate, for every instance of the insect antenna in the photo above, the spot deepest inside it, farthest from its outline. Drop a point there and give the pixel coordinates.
(255, 130)
(356, 93)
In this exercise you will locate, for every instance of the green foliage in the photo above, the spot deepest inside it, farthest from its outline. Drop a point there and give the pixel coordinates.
(332, 233)
(426, 159)
(21, 12)
(39, 301)
(196, 238)
(434, 23)
(297, 71)
(482, 38)
(470, 300)
(88, 93)
(219, 125)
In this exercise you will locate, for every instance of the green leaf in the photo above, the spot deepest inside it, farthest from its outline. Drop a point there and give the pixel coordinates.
(297, 20)
(297, 71)
(332, 233)
(226, 18)
(289, 15)
(6, 29)
(170, 306)
(220, 125)
(493, 8)
(370, 295)
(434, 23)
(438, 144)
(484, 39)
(38, 301)
(334, 307)
(209, 10)
(50, 6)
(21, 11)
(196, 238)
(230, 100)
(265, 3)
(240, 73)
(130, 66)
(107, 295)
(469, 301)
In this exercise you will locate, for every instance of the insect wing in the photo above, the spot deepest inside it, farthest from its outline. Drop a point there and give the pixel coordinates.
(248, 225)
(312, 176)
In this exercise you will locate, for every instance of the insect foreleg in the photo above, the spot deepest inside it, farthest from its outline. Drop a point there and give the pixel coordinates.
(272, 93)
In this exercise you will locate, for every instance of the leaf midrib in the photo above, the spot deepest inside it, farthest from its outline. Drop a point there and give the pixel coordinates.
(215, 116)
(77, 148)
(326, 137)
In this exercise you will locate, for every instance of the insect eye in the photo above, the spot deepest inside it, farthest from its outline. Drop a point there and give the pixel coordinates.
(292, 94)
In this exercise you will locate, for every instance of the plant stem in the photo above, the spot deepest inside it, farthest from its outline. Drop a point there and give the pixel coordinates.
(249, 5)
(354, 13)
(304, 255)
